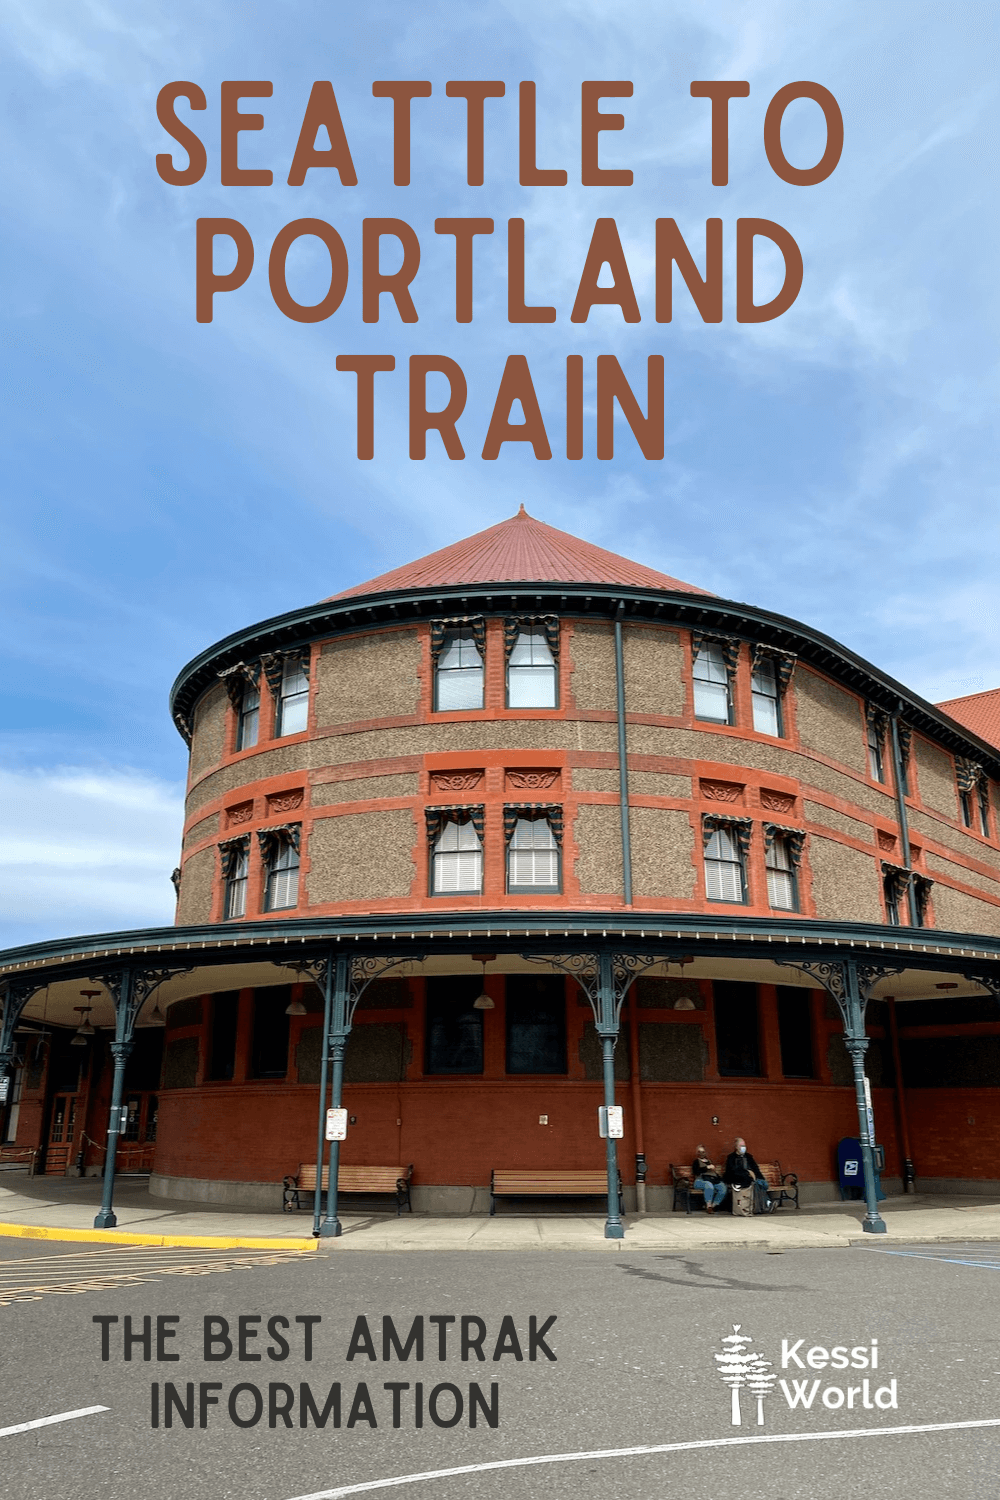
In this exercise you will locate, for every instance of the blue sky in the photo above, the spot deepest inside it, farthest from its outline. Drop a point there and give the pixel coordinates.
(166, 482)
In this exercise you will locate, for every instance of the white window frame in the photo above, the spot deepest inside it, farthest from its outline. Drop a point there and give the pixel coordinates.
(532, 672)
(293, 698)
(459, 669)
(714, 676)
(765, 692)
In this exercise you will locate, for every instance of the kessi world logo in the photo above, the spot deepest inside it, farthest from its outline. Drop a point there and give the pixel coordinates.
(752, 1379)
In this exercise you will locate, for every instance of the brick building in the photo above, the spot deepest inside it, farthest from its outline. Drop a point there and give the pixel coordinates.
(472, 777)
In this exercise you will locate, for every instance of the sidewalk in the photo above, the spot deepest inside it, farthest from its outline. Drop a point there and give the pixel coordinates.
(59, 1208)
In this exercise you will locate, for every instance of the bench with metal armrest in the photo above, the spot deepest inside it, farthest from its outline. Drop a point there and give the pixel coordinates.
(394, 1180)
(782, 1187)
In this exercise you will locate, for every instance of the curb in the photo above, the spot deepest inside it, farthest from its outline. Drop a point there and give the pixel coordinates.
(126, 1237)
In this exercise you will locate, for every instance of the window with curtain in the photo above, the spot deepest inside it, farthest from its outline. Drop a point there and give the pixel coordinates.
(725, 867)
(782, 885)
(457, 860)
(458, 675)
(713, 700)
(293, 699)
(766, 695)
(531, 672)
(248, 722)
(533, 856)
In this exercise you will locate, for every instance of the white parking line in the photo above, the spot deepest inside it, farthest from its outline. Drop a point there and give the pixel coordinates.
(569, 1458)
(63, 1416)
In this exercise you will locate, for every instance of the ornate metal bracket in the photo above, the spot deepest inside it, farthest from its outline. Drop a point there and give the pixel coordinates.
(362, 970)
(16, 996)
(604, 978)
(835, 977)
(989, 982)
(129, 990)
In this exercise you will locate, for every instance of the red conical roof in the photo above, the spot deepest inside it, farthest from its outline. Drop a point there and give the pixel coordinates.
(520, 550)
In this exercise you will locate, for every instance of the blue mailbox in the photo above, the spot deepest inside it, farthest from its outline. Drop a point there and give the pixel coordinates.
(850, 1168)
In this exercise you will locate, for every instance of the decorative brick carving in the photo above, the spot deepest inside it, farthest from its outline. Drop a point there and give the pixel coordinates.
(455, 781)
(777, 801)
(887, 842)
(241, 814)
(721, 791)
(282, 802)
(532, 781)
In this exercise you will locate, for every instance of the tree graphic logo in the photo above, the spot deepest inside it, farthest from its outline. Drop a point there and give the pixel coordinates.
(742, 1368)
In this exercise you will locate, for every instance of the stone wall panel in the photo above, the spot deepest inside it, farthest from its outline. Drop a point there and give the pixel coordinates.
(935, 777)
(829, 720)
(368, 677)
(361, 856)
(845, 883)
(197, 884)
(662, 852)
(208, 736)
(654, 670)
(597, 832)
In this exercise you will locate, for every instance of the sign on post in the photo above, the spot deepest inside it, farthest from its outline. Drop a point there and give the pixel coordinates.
(611, 1121)
(336, 1124)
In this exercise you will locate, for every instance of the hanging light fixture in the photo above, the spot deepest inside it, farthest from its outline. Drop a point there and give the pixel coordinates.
(483, 1001)
(84, 1030)
(154, 1018)
(295, 1007)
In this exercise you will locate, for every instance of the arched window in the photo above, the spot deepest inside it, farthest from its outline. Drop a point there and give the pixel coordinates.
(458, 677)
(457, 860)
(531, 672)
(533, 856)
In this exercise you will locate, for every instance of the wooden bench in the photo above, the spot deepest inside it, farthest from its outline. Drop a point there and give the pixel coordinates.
(394, 1180)
(782, 1187)
(526, 1182)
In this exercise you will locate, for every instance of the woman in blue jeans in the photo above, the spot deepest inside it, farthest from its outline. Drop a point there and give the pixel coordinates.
(707, 1180)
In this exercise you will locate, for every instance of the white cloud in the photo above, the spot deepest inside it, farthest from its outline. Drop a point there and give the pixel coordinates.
(86, 851)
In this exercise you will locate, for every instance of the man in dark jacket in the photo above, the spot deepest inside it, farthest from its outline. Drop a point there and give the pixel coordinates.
(743, 1172)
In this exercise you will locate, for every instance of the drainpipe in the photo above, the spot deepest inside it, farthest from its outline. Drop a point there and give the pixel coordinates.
(904, 827)
(623, 757)
(909, 1174)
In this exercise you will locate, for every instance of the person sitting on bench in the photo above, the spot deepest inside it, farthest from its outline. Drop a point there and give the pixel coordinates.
(707, 1180)
(742, 1172)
